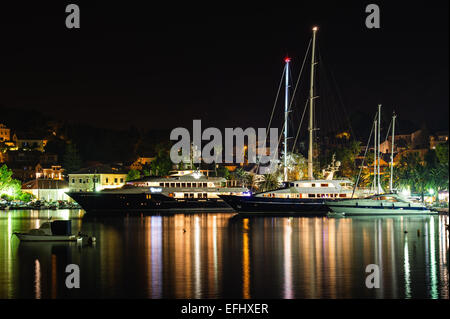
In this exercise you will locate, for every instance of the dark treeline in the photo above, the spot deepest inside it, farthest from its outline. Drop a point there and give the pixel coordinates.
(93, 143)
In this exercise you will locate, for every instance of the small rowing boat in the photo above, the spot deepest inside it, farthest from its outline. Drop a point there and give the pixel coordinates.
(58, 230)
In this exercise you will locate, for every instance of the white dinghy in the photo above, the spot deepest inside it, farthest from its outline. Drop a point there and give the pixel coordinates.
(58, 230)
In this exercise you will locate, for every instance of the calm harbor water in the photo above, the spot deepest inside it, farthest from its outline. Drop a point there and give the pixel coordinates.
(222, 255)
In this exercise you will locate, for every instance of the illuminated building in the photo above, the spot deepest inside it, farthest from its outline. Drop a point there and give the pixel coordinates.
(96, 178)
(29, 142)
(54, 172)
(47, 189)
(5, 133)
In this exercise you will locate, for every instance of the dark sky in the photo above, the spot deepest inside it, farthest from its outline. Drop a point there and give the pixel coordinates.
(161, 67)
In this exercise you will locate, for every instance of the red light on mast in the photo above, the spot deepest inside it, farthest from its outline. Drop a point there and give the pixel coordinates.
(287, 59)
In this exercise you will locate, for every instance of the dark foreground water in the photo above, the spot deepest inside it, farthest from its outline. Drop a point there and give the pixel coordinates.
(225, 256)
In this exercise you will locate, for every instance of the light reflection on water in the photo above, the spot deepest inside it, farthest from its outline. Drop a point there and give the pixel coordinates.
(222, 255)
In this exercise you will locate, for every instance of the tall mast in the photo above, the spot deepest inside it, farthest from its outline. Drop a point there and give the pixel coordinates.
(392, 152)
(379, 154)
(311, 107)
(375, 157)
(286, 112)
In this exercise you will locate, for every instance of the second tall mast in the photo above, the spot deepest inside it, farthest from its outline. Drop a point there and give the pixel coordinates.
(311, 108)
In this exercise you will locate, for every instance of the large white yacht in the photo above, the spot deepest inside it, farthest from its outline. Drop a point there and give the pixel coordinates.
(187, 190)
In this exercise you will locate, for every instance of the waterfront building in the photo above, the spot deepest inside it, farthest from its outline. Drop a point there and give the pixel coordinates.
(47, 189)
(97, 178)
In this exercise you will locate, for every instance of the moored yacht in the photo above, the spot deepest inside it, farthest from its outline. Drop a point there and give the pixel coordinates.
(381, 203)
(384, 204)
(304, 197)
(188, 190)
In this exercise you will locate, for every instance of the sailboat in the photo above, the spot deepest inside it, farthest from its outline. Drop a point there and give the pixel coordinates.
(304, 197)
(389, 203)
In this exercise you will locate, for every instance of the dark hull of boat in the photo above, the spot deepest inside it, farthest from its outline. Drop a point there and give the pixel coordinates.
(116, 203)
(252, 205)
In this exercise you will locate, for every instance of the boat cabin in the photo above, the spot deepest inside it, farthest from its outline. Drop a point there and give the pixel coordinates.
(313, 189)
(189, 185)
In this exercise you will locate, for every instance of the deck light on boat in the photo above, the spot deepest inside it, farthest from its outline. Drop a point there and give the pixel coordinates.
(155, 189)
(406, 192)
(196, 175)
(315, 28)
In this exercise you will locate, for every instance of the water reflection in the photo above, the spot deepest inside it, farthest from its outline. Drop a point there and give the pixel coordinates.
(407, 270)
(245, 261)
(225, 256)
(37, 279)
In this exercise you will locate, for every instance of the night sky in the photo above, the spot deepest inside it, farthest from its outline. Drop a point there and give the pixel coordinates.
(161, 67)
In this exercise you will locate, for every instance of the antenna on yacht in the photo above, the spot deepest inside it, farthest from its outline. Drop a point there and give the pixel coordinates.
(392, 152)
(311, 106)
(286, 112)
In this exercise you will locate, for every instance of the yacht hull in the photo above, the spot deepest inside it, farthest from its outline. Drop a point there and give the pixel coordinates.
(370, 210)
(30, 237)
(253, 205)
(98, 202)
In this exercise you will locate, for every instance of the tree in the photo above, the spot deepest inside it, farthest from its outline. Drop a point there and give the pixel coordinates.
(414, 173)
(162, 164)
(9, 187)
(297, 166)
(251, 182)
(239, 175)
(133, 174)
(26, 197)
(72, 159)
(222, 171)
(146, 170)
(442, 153)
(347, 156)
(5, 178)
(270, 182)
